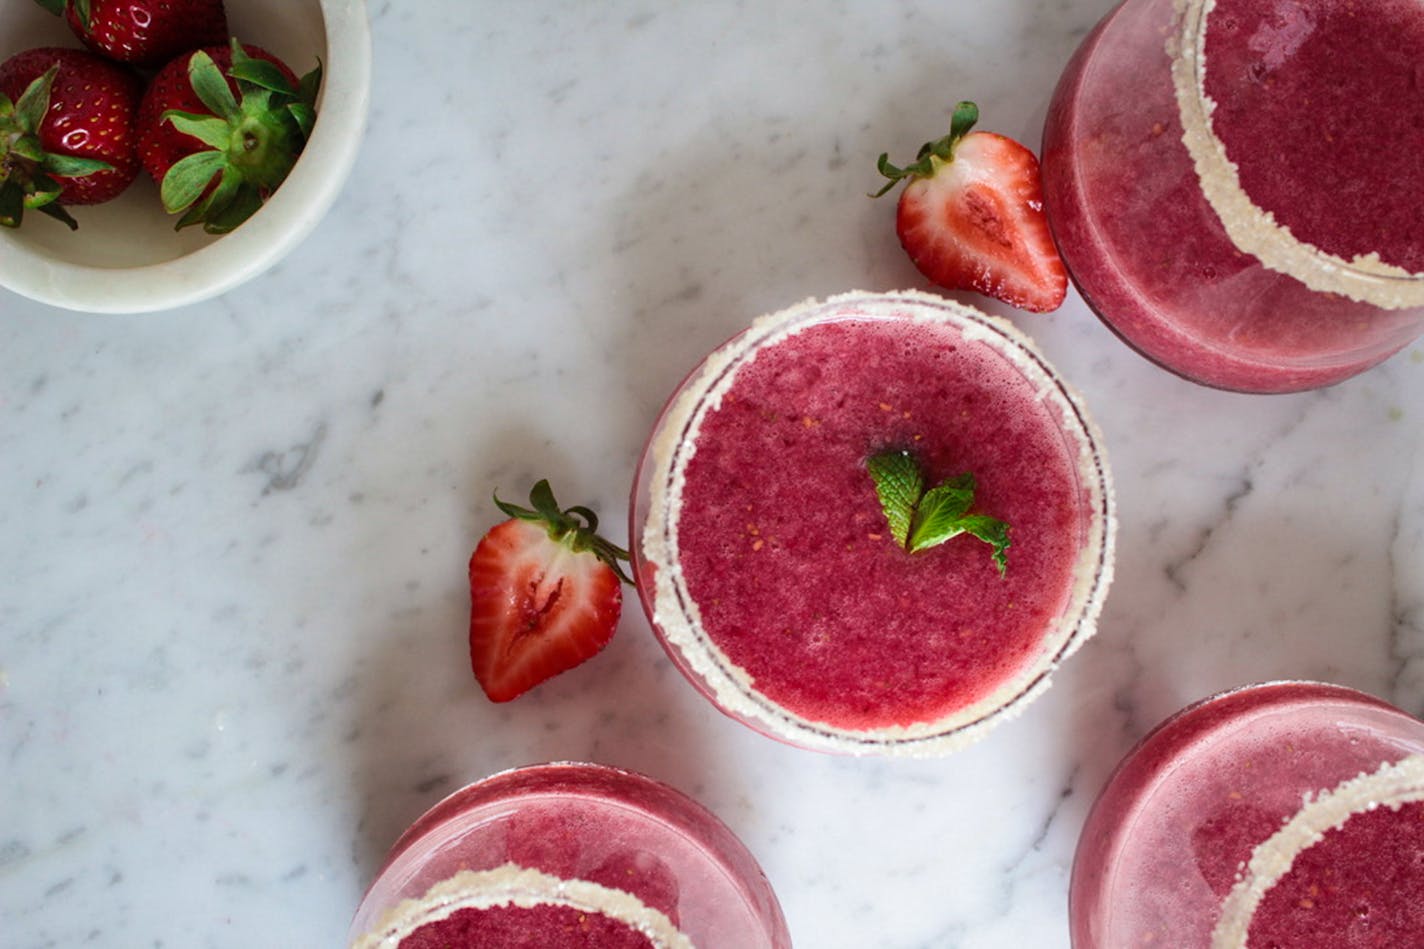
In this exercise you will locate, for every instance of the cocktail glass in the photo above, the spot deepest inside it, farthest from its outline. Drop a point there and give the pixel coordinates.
(1235, 185)
(560, 854)
(761, 551)
(1289, 811)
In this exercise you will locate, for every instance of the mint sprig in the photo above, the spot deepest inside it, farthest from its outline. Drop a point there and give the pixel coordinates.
(920, 519)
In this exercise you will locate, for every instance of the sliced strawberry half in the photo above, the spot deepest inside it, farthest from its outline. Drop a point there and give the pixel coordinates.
(545, 593)
(971, 216)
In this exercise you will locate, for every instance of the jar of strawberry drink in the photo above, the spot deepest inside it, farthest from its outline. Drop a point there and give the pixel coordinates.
(873, 525)
(1285, 814)
(569, 856)
(1237, 186)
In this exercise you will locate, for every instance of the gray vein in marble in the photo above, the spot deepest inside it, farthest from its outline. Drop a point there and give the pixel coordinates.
(286, 469)
(1173, 568)
(1405, 642)
(1036, 845)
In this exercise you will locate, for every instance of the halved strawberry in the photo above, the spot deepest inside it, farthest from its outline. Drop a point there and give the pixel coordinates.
(971, 216)
(545, 594)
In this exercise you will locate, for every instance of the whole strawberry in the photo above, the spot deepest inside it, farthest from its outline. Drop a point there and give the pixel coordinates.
(545, 594)
(971, 216)
(143, 32)
(67, 132)
(219, 129)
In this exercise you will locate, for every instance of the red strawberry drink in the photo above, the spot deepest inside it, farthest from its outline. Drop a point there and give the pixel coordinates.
(768, 560)
(1238, 190)
(569, 856)
(1285, 814)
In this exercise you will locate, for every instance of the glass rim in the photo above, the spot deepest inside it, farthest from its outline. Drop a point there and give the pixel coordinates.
(674, 613)
(1252, 228)
(519, 887)
(513, 884)
(1394, 784)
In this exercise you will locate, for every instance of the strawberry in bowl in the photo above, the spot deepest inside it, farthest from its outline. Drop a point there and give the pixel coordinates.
(67, 132)
(221, 128)
(143, 32)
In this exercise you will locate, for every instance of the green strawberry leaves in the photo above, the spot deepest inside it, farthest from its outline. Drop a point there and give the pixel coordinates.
(57, 7)
(941, 150)
(920, 519)
(253, 139)
(30, 176)
(576, 527)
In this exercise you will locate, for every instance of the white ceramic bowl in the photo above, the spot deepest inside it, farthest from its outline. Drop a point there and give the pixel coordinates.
(126, 257)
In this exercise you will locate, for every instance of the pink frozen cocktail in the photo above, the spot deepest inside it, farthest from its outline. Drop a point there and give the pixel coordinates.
(569, 856)
(768, 566)
(1282, 815)
(1237, 186)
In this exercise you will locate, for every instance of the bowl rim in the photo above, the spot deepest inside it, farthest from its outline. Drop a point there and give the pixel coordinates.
(284, 221)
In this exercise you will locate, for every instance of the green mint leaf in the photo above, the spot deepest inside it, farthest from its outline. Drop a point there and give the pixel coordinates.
(55, 7)
(898, 484)
(938, 515)
(921, 519)
(991, 531)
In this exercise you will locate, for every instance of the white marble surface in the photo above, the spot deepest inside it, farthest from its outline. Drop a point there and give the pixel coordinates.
(232, 594)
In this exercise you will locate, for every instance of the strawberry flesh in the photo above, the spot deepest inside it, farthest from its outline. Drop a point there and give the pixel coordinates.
(544, 596)
(971, 218)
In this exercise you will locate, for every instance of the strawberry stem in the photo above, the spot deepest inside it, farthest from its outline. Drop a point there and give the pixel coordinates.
(931, 154)
(575, 527)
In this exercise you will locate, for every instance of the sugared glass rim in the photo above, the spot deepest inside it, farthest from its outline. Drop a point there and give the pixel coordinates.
(1253, 229)
(675, 614)
(1393, 785)
(514, 886)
